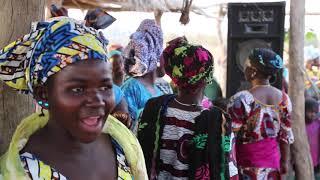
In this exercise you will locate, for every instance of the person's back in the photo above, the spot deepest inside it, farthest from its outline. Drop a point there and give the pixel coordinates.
(267, 95)
(180, 139)
(262, 116)
(177, 133)
(261, 120)
(142, 54)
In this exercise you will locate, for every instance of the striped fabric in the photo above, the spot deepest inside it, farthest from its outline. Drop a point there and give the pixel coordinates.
(175, 143)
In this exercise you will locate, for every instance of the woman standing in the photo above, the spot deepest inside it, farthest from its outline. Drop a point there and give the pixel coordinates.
(142, 55)
(261, 120)
(180, 139)
(63, 64)
(118, 72)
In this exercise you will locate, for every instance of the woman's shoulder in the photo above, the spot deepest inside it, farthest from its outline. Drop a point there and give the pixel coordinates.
(161, 98)
(133, 87)
(129, 83)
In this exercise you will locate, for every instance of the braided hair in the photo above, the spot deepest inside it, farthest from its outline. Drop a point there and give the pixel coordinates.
(265, 61)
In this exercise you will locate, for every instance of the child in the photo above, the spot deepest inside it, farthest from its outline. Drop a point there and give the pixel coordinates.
(313, 128)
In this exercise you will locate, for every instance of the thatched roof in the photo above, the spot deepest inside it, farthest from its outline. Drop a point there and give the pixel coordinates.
(209, 8)
(127, 5)
(139, 5)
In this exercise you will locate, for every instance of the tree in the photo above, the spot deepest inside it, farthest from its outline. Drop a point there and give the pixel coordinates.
(15, 19)
(300, 148)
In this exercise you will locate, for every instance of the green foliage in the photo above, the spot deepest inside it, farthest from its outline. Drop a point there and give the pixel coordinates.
(310, 38)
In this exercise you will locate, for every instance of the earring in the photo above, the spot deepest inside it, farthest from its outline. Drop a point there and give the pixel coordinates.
(253, 74)
(40, 103)
(45, 104)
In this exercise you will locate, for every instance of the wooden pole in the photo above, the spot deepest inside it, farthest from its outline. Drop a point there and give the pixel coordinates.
(300, 148)
(15, 19)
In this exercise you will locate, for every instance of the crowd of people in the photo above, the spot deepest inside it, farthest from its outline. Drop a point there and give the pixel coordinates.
(312, 97)
(106, 112)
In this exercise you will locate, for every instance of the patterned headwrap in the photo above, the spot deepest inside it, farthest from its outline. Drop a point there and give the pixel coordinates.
(188, 65)
(144, 49)
(50, 46)
(265, 60)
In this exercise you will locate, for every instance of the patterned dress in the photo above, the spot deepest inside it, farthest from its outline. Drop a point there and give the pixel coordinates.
(175, 144)
(37, 170)
(137, 95)
(254, 122)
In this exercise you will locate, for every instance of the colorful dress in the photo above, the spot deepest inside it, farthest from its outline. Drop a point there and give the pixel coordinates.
(164, 86)
(136, 95)
(175, 143)
(179, 144)
(118, 94)
(26, 166)
(313, 133)
(259, 128)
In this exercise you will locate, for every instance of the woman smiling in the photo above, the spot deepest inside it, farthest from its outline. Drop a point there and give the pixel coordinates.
(63, 64)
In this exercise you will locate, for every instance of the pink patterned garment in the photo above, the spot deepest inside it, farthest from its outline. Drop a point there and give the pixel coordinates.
(313, 133)
(255, 122)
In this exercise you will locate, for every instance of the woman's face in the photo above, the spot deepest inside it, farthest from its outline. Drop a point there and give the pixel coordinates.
(118, 64)
(80, 98)
(311, 114)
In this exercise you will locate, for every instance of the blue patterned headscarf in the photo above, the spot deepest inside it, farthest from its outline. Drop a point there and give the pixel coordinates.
(50, 46)
(265, 60)
(142, 54)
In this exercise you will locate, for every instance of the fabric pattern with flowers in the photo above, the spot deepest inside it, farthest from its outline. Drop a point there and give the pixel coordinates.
(51, 46)
(196, 66)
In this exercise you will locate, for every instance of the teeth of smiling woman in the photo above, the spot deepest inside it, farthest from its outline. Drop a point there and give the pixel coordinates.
(91, 121)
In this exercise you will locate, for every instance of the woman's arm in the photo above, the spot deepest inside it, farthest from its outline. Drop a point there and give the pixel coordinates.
(285, 134)
(284, 161)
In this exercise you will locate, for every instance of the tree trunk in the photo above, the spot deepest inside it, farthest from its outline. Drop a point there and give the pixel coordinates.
(300, 148)
(221, 62)
(15, 19)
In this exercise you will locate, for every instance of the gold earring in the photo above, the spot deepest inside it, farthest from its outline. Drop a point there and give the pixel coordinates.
(253, 74)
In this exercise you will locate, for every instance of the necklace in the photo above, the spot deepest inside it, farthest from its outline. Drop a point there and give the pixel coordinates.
(260, 85)
(190, 105)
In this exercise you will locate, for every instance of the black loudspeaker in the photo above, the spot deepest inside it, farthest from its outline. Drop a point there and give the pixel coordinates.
(252, 25)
